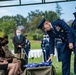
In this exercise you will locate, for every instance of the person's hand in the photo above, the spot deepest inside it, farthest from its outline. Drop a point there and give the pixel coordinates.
(50, 58)
(15, 60)
(71, 46)
(5, 62)
(19, 46)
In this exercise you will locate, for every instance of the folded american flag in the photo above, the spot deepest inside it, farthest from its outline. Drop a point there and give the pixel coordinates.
(38, 65)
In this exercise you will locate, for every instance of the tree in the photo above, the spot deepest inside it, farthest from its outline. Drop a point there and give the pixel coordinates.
(20, 21)
(34, 17)
(8, 23)
(50, 15)
(58, 10)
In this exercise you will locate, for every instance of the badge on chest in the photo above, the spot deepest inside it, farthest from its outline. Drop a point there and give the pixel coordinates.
(59, 29)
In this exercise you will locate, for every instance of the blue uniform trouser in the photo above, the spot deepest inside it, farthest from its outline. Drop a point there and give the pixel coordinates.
(47, 54)
(44, 55)
(66, 56)
(59, 52)
(75, 64)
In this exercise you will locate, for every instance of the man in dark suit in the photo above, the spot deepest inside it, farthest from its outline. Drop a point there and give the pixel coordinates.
(19, 43)
(74, 27)
(67, 35)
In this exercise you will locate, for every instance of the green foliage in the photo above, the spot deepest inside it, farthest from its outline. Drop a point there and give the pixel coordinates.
(8, 24)
(50, 15)
(34, 18)
(11, 36)
(1, 34)
(10, 44)
(37, 36)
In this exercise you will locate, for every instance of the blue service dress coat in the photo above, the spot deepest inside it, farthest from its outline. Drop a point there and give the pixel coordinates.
(67, 35)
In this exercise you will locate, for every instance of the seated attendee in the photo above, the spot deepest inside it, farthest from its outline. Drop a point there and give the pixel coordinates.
(4, 65)
(10, 67)
(9, 56)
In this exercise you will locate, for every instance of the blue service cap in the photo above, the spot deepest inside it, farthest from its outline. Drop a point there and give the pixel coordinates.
(41, 24)
(74, 13)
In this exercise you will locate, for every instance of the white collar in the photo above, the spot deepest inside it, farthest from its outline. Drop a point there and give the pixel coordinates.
(51, 25)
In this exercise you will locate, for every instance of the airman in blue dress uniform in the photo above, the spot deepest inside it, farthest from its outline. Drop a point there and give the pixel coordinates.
(43, 41)
(45, 47)
(74, 27)
(68, 37)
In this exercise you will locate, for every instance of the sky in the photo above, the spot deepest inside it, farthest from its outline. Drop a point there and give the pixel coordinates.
(68, 8)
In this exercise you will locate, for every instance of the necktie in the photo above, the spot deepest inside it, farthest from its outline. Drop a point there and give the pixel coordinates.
(18, 37)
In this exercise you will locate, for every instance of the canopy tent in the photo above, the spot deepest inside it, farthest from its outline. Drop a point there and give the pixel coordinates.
(11, 3)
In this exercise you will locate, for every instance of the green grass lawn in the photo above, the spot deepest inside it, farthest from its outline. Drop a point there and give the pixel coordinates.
(57, 65)
(35, 44)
